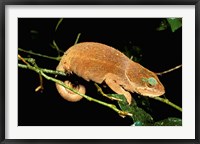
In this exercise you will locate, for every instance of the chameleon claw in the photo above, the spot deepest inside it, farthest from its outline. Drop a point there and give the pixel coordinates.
(117, 99)
(123, 114)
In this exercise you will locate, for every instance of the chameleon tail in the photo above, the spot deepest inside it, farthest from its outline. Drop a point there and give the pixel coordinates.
(67, 94)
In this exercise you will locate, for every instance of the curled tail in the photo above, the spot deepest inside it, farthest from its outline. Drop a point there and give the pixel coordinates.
(67, 94)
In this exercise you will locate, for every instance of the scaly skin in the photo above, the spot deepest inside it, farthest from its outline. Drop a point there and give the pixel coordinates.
(98, 62)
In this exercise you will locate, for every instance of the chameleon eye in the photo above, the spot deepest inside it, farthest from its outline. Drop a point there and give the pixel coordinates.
(152, 81)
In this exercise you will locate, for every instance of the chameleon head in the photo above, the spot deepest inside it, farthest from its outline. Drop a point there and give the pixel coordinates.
(144, 81)
(150, 86)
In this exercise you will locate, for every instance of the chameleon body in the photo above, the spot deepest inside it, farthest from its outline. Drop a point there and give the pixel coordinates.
(101, 63)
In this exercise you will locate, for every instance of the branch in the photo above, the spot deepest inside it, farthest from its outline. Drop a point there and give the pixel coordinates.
(165, 100)
(43, 71)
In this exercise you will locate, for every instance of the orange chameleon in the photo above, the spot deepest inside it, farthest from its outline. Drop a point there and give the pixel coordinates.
(98, 62)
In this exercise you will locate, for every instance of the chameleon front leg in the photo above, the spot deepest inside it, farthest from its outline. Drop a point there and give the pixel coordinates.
(113, 82)
(67, 94)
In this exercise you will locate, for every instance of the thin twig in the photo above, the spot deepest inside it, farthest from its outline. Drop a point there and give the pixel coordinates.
(77, 38)
(57, 48)
(165, 100)
(59, 22)
(38, 54)
(170, 70)
(22, 59)
(40, 87)
(99, 89)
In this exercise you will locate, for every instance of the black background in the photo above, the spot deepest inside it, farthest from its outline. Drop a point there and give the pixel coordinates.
(161, 50)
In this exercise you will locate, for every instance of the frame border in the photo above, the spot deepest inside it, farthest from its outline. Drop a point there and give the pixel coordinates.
(3, 4)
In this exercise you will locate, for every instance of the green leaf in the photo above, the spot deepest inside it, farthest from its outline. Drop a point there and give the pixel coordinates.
(169, 122)
(175, 23)
(139, 116)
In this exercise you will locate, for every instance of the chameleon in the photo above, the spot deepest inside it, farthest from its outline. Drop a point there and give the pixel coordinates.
(100, 63)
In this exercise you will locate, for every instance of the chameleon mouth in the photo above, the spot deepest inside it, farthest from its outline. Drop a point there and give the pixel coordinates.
(150, 92)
